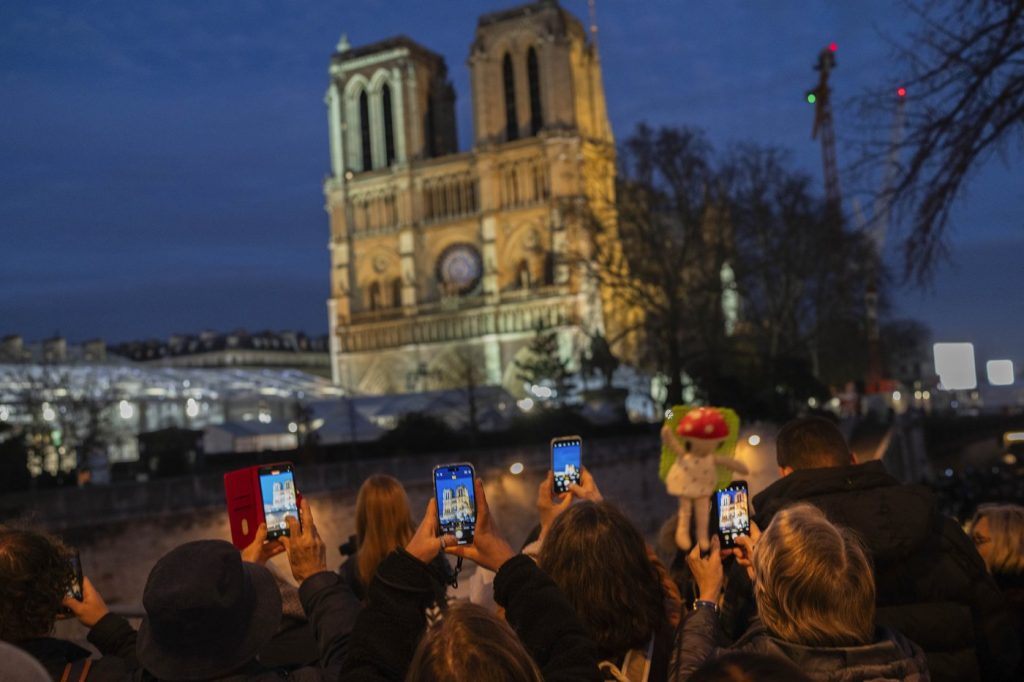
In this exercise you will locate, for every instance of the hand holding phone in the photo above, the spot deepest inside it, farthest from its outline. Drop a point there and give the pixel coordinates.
(90, 608)
(489, 549)
(307, 553)
(566, 462)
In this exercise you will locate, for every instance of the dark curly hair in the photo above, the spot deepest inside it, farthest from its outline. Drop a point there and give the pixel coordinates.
(599, 560)
(35, 574)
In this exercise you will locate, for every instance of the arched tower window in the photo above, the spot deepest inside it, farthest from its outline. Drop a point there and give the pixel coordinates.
(533, 73)
(511, 126)
(364, 129)
(389, 128)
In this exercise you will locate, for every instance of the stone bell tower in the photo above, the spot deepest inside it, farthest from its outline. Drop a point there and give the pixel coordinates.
(444, 259)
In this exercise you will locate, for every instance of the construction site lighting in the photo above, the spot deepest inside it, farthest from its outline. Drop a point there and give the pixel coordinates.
(901, 92)
(833, 47)
(811, 98)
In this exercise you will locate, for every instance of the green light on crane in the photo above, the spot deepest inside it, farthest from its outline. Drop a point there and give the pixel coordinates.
(811, 98)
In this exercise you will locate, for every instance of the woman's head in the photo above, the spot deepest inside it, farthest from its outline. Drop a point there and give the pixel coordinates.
(998, 533)
(600, 561)
(471, 644)
(813, 581)
(35, 574)
(383, 522)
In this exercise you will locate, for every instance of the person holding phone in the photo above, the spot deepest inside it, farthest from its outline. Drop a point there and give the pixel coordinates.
(815, 595)
(393, 640)
(37, 582)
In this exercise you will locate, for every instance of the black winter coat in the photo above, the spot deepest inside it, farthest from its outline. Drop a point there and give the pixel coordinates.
(404, 589)
(931, 583)
(332, 610)
(112, 635)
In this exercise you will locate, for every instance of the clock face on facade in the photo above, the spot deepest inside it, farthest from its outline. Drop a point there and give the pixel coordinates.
(459, 269)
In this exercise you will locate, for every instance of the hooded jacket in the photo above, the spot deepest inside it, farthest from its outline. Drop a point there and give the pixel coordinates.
(930, 582)
(889, 657)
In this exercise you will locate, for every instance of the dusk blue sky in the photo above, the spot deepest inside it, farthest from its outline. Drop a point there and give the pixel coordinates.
(161, 162)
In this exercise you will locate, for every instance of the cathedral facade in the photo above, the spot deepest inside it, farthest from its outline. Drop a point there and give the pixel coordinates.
(444, 264)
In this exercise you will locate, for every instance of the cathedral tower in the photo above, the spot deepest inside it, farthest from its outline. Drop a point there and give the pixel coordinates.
(445, 263)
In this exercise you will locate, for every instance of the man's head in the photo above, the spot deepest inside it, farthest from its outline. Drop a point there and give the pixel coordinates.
(811, 443)
(207, 612)
(35, 574)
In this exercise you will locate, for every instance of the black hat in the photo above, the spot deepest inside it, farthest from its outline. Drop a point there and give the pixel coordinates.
(207, 612)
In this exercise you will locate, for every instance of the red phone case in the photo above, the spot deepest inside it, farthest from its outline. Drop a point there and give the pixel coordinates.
(245, 503)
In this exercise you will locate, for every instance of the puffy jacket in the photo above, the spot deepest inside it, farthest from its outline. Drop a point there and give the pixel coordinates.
(931, 584)
(890, 656)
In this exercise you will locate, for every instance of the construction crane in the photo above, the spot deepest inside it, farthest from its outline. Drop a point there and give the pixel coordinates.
(821, 98)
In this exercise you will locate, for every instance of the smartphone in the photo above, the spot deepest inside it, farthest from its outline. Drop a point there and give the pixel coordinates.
(566, 462)
(731, 512)
(456, 502)
(277, 489)
(75, 591)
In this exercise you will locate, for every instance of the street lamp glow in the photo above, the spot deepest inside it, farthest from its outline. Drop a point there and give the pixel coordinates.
(516, 468)
(125, 409)
(49, 414)
(526, 404)
(954, 363)
(192, 408)
(1000, 372)
(754, 440)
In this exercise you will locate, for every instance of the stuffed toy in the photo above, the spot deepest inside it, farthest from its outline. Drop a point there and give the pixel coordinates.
(695, 444)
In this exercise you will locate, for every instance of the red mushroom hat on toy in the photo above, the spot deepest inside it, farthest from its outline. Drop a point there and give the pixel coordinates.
(703, 423)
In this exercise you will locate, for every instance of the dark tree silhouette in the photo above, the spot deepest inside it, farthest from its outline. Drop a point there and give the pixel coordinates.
(964, 74)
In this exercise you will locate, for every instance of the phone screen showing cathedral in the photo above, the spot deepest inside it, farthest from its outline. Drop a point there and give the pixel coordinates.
(565, 463)
(277, 487)
(733, 514)
(456, 503)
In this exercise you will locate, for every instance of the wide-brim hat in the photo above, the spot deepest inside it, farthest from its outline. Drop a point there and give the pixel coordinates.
(207, 612)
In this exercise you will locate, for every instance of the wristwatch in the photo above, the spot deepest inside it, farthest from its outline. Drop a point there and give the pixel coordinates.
(704, 603)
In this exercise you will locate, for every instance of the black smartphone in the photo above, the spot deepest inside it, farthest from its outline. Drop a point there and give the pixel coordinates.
(277, 488)
(731, 512)
(456, 501)
(75, 591)
(566, 462)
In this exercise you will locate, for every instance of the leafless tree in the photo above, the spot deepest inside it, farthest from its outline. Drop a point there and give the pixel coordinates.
(800, 276)
(964, 74)
(660, 256)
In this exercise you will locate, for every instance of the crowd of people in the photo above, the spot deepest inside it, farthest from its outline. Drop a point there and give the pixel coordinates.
(846, 575)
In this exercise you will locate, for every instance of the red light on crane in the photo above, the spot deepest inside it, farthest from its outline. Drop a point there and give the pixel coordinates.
(901, 92)
(833, 47)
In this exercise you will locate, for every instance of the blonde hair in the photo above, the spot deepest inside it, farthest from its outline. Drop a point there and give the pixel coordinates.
(383, 522)
(471, 644)
(813, 582)
(1006, 528)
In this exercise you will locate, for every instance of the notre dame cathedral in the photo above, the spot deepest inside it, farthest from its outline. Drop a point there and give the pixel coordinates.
(446, 262)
